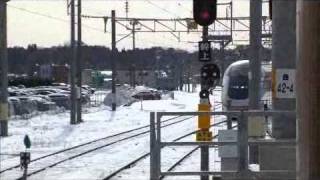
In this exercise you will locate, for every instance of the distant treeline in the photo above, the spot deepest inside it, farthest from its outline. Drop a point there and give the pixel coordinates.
(24, 60)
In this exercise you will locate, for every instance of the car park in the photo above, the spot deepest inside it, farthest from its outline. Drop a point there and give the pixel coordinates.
(42, 98)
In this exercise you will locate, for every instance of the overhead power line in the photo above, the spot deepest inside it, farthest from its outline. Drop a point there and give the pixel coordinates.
(53, 17)
(84, 25)
(163, 9)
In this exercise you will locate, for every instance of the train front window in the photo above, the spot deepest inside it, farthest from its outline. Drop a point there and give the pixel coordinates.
(238, 87)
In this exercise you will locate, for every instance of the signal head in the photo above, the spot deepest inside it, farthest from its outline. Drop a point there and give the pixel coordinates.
(204, 11)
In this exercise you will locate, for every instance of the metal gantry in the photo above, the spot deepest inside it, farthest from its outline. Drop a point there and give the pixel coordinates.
(227, 29)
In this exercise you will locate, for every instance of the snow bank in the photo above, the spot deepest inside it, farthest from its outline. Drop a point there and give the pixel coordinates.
(124, 95)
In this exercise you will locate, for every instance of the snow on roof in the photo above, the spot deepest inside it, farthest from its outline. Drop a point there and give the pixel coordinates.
(108, 73)
(143, 88)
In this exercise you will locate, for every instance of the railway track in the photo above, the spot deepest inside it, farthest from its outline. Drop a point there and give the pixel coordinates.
(68, 154)
(132, 163)
(186, 156)
(63, 156)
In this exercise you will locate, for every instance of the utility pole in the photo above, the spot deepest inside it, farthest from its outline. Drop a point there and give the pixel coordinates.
(134, 47)
(134, 23)
(73, 63)
(113, 45)
(180, 70)
(188, 78)
(79, 65)
(308, 88)
(127, 8)
(4, 70)
(255, 65)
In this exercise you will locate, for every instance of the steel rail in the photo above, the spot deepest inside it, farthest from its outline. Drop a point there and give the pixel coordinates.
(98, 148)
(132, 163)
(86, 143)
(186, 156)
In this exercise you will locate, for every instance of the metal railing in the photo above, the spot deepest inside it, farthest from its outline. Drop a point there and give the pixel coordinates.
(243, 172)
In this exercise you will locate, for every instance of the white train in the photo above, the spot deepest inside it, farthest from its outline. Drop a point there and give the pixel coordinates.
(235, 86)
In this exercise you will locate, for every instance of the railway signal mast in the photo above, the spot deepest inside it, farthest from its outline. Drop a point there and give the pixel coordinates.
(205, 13)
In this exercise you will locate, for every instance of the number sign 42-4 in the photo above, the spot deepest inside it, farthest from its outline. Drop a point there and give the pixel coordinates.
(285, 83)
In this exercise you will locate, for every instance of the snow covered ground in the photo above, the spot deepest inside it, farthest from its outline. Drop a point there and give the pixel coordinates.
(50, 133)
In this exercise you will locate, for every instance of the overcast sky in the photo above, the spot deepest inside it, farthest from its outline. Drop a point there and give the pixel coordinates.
(46, 23)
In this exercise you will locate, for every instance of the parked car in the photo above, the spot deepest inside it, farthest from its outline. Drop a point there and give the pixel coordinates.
(88, 88)
(147, 95)
(61, 100)
(43, 103)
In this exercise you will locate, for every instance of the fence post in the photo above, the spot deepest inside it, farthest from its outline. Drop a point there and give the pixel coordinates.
(152, 147)
(229, 120)
(158, 146)
(243, 143)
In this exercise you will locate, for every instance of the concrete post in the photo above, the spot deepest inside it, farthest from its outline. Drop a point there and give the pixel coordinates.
(73, 97)
(158, 147)
(308, 89)
(153, 174)
(255, 55)
(79, 64)
(255, 64)
(113, 63)
(283, 57)
(243, 143)
(133, 48)
(3, 69)
(283, 87)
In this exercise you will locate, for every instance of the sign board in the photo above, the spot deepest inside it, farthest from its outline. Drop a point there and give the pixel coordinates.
(203, 135)
(284, 85)
(204, 51)
(204, 119)
(228, 135)
(228, 151)
(256, 126)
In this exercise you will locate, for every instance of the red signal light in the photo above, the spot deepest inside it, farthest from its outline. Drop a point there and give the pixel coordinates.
(204, 11)
(205, 15)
